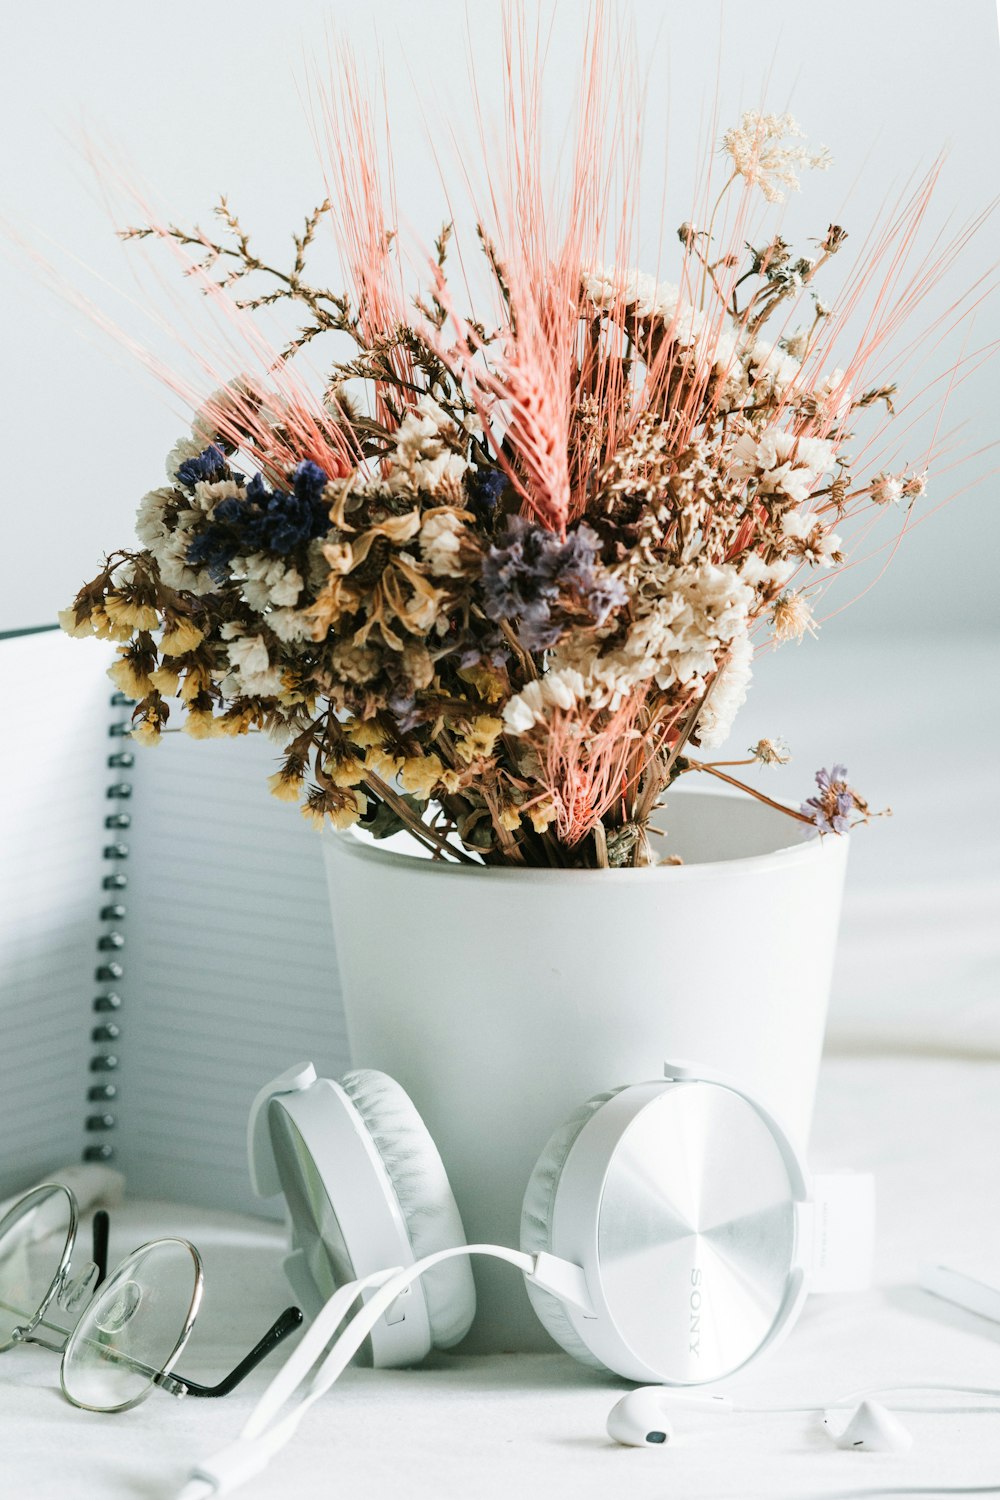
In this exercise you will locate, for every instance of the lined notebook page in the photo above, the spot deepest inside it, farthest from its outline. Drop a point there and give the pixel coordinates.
(231, 975)
(54, 746)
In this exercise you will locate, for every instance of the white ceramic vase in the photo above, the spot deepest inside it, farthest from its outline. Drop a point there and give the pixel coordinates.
(503, 998)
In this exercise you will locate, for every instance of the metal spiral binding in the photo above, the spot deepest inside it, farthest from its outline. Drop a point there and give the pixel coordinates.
(109, 968)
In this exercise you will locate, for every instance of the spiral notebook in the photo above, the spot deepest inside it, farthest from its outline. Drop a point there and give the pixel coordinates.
(165, 937)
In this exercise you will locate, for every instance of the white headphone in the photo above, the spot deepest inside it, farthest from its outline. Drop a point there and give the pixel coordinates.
(399, 1191)
(669, 1232)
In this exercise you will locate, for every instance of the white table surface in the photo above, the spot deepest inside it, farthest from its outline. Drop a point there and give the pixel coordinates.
(533, 1425)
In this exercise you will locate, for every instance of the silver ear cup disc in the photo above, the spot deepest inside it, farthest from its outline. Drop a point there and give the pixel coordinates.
(696, 1233)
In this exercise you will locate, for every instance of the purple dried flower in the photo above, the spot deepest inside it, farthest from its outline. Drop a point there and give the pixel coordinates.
(532, 575)
(831, 810)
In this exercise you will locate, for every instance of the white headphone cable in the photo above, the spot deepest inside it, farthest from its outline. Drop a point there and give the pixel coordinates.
(930, 1387)
(264, 1433)
(310, 1370)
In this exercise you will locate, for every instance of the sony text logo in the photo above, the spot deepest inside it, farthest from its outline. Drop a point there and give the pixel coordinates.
(694, 1314)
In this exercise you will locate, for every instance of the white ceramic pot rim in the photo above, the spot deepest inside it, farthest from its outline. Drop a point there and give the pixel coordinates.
(803, 851)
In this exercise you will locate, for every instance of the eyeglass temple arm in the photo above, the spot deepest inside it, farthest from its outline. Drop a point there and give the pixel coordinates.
(100, 1246)
(288, 1322)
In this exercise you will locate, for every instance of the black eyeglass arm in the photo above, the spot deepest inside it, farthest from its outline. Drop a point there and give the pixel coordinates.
(288, 1322)
(100, 1247)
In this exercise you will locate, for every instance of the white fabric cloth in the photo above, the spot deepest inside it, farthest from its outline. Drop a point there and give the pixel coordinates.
(533, 1425)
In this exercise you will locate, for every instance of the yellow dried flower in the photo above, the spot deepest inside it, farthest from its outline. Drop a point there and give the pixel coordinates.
(69, 623)
(383, 762)
(344, 770)
(124, 612)
(510, 818)
(285, 787)
(488, 684)
(200, 724)
(346, 813)
(196, 680)
(147, 732)
(230, 725)
(293, 693)
(420, 774)
(128, 679)
(542, 815)
(181, 638)
(480, 738)
(339, 556)
(165, 680)
(365, 733)
(353, 808)
(107, 629)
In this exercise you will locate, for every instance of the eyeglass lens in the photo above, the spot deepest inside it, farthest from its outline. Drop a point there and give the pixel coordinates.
(34, 1238)
(134, 1328)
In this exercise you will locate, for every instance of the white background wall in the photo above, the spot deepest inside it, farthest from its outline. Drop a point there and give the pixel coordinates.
(201, 97)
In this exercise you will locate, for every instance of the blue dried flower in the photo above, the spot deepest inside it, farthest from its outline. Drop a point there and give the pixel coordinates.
(208, 467)
(263, 520)
(485, 487)
(531, 574)
(214, 551)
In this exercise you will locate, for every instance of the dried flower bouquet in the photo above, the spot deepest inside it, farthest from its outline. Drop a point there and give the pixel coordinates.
(499, 580)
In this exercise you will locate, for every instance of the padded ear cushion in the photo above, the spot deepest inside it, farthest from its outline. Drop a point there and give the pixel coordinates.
(423, 1191)
(536, 1225)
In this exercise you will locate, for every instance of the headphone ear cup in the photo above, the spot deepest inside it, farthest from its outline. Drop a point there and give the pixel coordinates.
(536, 1226)
(424, 1194)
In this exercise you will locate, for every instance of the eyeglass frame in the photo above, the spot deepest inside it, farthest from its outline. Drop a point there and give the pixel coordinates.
(164, 1378)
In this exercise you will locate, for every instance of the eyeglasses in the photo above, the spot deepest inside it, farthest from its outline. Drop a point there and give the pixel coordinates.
(134, 1322)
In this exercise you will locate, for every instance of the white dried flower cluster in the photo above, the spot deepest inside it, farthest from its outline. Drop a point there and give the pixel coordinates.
(832, 397)
(184, 448)
(810, 540)
(772, 367)
(771, 752)
(562, 687)
(797, 343)
(746, 369)
(762, 153)
(763, 576)
(644, 297)
(637, 295)
(792, 617)
(231, 404)
(440, 543)
(684, 618)
(423, 458)
(266, 581)
(783, 466)
(887, 489)
(166, 524)
(251, 671)
(728, 694)
(890, 489)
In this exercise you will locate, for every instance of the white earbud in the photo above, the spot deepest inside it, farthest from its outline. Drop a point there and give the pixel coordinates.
(872, 1429)
(639, 1419)
(642, 1418)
